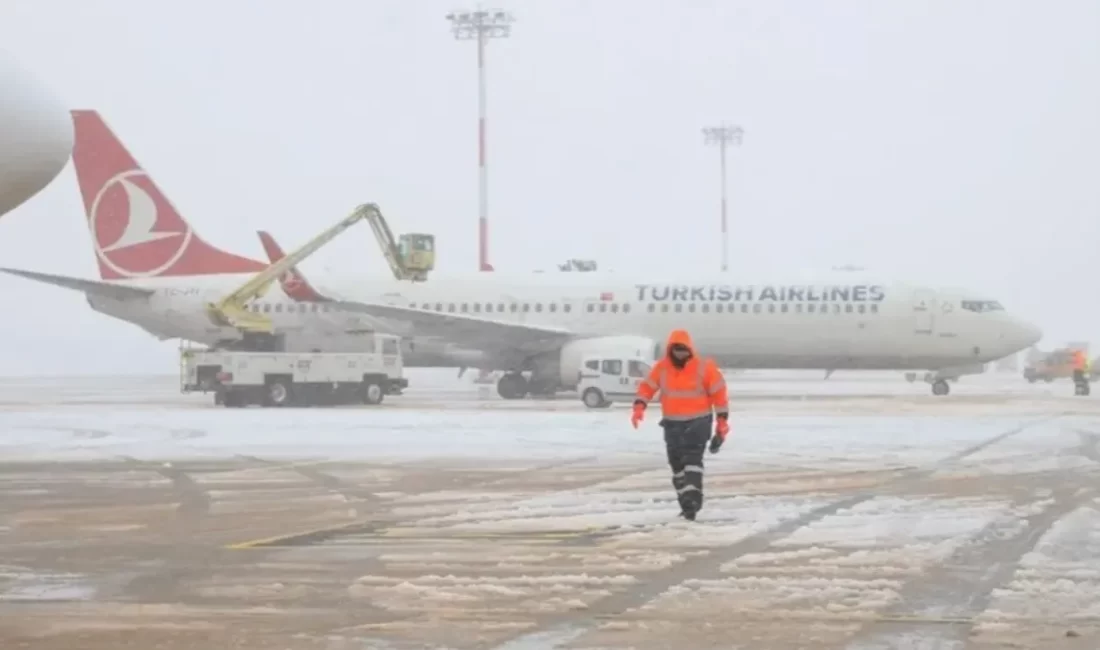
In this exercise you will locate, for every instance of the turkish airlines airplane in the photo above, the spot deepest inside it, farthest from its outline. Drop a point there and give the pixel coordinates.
(158, 273)
(36, 135)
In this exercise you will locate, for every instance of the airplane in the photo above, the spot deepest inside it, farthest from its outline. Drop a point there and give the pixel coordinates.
(36, 135)
(158, 273)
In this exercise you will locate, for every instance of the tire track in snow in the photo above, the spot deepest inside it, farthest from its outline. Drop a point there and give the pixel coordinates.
(356, 496)
(959, 589)
(562, 628)
(194, 502)
(1090, 444)
(163, 583)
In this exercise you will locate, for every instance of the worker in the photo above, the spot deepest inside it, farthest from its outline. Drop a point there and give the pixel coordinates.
(1080, 368)
(693, 399)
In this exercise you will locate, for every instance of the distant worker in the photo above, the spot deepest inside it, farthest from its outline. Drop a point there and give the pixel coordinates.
(1080, 369)
(693, 397)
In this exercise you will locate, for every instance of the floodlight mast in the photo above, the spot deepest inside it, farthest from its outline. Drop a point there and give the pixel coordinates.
(723, 136)
(481, 25)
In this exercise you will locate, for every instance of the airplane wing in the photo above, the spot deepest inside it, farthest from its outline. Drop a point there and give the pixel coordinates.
(467, 330)
(105, 289)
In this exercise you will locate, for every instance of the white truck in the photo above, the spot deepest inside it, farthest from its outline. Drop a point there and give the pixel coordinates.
(606, 380)
(240, 378)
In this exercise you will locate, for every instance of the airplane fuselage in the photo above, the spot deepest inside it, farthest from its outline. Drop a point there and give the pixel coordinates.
(826, 326)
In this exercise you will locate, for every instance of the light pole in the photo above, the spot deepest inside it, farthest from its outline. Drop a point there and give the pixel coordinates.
(723, 136)
(481, 25)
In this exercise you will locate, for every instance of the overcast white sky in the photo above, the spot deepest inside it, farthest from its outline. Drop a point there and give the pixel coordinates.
(944, 141)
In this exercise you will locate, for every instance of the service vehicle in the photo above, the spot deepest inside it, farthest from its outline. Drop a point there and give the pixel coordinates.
(605, 381)
(240, 378)
(1055, 365)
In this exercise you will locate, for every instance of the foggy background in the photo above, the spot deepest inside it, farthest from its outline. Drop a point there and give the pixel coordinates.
(936, 142)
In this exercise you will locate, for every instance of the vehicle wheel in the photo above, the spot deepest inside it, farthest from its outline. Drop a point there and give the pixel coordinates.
(373, 393)
(593, 398)
(278, 393)
(940, 387)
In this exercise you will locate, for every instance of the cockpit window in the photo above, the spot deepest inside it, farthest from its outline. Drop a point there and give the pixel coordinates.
(982, 305)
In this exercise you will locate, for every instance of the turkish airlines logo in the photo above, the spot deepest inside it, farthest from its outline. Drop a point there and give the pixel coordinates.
(124, 228)
(291, 282)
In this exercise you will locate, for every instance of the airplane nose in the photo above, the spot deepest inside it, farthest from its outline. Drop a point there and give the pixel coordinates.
(1026, 334)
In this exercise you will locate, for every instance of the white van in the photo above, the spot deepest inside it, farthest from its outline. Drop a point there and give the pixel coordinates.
(605, 381)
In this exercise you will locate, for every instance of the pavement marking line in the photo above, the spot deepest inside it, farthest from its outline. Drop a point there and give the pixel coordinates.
(362, 533)
(762, 617)
(412, 533)
(289, 539)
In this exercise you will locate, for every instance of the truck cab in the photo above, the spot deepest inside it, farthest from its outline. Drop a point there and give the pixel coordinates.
(608, 380)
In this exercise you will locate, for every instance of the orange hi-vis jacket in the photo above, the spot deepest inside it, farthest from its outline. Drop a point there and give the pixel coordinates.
(1080, 361)
(687, 393)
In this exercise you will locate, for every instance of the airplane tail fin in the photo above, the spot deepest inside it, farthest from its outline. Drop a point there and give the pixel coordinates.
(293, 283)
(136, 232)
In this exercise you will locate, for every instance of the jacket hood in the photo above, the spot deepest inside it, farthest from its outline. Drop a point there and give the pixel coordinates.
(683, 338)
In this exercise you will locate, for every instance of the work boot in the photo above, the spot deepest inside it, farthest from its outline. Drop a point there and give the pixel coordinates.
(688, 514)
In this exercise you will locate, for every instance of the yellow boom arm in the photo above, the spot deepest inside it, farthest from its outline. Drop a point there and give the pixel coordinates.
(233, 311)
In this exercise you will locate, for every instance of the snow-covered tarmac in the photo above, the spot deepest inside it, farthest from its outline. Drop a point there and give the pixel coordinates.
(856, 513)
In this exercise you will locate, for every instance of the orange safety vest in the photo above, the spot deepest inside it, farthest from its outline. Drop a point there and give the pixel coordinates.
(1079, 360)
(693, 391)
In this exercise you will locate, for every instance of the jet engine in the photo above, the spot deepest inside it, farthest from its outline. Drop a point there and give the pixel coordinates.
(560, 370)
(609, 347)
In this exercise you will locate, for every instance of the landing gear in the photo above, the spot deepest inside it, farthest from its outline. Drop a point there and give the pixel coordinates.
(512, 385)
(940, 387)
(542, 389)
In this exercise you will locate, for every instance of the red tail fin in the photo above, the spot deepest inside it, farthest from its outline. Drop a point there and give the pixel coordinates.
(136, 232)
(294, 284)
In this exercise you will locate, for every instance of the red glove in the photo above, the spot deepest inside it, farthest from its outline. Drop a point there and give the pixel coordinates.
(638, 415)
(721, 430)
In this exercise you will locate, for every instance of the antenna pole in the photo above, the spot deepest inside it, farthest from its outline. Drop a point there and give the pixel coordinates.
(481, 25)
(723, 136)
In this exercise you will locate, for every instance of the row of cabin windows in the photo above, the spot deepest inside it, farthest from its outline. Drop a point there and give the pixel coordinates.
(758, 308)
(603, 307)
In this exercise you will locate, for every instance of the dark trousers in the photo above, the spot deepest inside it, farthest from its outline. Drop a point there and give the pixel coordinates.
(1079, 377)
(685, 443)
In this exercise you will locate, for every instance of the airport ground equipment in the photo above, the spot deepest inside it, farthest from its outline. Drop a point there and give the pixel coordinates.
(240, 378)
(607, 380)
(411, 257)
(257, 329)
(417, 254)
(1057, 364)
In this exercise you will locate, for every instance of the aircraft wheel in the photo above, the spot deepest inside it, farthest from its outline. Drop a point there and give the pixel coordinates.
(940, 387)
(512, 386)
